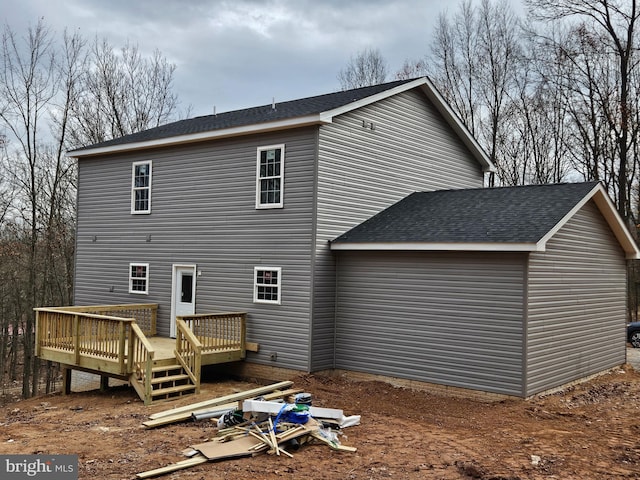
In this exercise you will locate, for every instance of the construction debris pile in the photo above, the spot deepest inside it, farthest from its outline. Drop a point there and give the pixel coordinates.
(275, 419)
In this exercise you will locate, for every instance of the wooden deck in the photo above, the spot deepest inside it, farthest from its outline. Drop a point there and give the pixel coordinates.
(164, 348)
(119, 341)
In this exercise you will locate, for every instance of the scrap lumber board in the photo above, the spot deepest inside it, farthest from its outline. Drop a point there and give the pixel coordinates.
(220, 400)
(261, 406)
(191, 462)
(181, 417)
(220, 409)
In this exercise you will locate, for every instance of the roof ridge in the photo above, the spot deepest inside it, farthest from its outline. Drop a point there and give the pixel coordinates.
(378, 86)
(507, 187)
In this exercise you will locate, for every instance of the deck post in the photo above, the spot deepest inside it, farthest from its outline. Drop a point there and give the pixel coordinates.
(243, 335)
(104, 383)
(66, 380)
(38, 333)
(131, 366)
(121, 345)
(76, 339)
(148, 376)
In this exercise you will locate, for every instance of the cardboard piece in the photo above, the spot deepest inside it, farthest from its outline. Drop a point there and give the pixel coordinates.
(240, 447)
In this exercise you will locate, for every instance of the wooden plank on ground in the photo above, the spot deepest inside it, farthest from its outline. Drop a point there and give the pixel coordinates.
(191, 462)
(182, 416)
(220, 400)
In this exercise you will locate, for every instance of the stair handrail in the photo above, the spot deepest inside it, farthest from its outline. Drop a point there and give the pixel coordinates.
(188, 352)
(141, 354)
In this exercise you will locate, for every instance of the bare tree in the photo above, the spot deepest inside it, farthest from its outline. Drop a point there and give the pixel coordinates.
(454, 63)
(412, 69)
(53, 96)
(367, 68)
(500, 57)
(122, 92)
(615, 23)
(26, 88)
(474, 61)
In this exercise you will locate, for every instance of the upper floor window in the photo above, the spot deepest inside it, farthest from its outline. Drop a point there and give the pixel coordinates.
(141, 187)
(266, 283)
(139, 278)
(270, 177)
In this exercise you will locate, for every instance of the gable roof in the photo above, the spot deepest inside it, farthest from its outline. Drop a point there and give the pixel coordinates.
(487, 219)
(278, 116)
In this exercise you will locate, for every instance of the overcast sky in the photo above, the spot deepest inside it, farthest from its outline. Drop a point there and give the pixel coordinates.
(241, 53)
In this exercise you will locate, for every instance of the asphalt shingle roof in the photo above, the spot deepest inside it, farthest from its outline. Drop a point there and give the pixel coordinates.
(487, 215)
(254, 115)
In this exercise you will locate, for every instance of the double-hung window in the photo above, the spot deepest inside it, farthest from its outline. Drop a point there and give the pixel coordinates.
(266, 288)
(141, 187)
(139, 278)
(270, 177)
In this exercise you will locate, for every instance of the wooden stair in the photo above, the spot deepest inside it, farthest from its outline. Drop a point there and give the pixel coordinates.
(169, 381)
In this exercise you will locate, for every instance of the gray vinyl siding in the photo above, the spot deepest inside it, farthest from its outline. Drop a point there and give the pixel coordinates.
(445, 318)
(203, 213)
(363, 171)
(577, 301)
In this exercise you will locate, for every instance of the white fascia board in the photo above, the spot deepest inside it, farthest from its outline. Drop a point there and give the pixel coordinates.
(446, 247)
(613, 218)
(609, 212)
(374, 98)
(458, 126)
(203, 136)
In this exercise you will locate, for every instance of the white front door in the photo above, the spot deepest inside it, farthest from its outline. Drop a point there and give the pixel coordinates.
(183, 297)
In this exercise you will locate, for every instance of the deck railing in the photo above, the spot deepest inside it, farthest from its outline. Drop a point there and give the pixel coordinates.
(189, 352)
(84, 339)
(145, 314)
(142, 353)
(100, 339)
(218, 331)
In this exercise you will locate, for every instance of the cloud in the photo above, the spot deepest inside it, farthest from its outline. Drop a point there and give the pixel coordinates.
(239, 53)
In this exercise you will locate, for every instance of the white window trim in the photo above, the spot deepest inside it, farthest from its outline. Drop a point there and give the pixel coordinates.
(281, 177)
(146, 278)
(134, 188)
(278, 285)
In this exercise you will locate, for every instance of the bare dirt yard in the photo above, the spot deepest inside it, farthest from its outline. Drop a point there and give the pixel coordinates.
(587, 431)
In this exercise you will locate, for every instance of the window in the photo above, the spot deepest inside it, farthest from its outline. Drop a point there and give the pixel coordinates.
(139, 278)
(267, 285)
(270, 177)
(141, 187)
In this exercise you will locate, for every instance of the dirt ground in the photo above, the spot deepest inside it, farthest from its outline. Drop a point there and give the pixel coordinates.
(588, 431)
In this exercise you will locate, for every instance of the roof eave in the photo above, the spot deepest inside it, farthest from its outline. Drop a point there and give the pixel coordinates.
(284, 124)
(439, 247)
(613, 218)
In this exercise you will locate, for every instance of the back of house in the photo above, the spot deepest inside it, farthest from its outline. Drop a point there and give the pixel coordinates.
(235, 211)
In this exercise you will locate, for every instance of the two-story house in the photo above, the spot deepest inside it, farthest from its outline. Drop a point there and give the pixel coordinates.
(512, 291)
